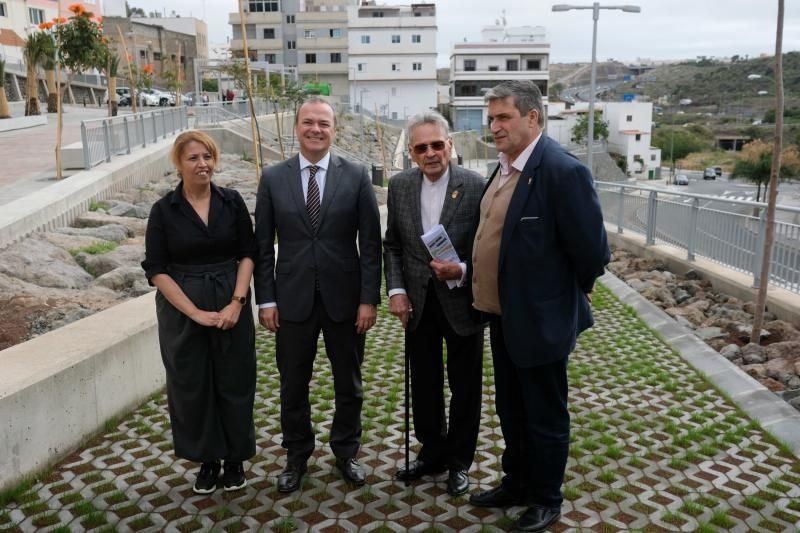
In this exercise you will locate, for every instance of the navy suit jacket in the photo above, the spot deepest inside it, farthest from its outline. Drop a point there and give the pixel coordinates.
(553, 248)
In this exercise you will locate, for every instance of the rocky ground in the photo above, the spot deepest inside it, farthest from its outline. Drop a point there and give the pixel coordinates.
(722, 321)
(53, 278)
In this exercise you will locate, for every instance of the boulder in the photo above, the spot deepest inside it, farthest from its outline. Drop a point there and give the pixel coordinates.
(694, 316)
(125, 209)
(756, 370)
(681, 296)
(700, 305)
(71, 242)
(120, 279)
(783, 350)
(780, 370)
(638, 285)
(99, 264)
(782, 330)
(94, 219)
(37, 261)
(692, 275)
(659, 294)
(753, 353)
(773, 385)
(710, 333)
(110, 232)
(730, 352)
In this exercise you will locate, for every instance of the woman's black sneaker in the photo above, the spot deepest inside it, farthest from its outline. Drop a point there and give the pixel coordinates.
(206, 482)
(233, 478)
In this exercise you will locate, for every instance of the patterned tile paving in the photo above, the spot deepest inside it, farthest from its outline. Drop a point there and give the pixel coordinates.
(654, 448)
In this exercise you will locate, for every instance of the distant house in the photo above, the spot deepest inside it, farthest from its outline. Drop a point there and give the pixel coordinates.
(630, 128)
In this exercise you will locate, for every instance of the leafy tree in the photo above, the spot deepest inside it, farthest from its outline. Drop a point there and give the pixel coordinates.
(35, 51)
(555, 91)
(134, 11)
(4, 111)
(580, 130)
(211, 86)
(755, 163)
(681, 141)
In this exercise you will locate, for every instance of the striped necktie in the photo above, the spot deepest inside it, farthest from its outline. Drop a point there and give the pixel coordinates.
(312, 198)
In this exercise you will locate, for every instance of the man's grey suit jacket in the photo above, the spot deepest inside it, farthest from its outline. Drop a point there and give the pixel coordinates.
(406, 260)
(344, 253)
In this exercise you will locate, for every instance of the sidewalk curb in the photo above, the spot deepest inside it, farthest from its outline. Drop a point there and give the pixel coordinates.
(762, 405)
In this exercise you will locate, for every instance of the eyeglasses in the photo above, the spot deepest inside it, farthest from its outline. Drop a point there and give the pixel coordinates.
(422, 148)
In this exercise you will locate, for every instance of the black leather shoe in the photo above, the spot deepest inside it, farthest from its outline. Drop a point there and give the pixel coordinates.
(496, 497)
(537, 518)
(417, 469)
(290, 478)
(351, 471)
(457, 482)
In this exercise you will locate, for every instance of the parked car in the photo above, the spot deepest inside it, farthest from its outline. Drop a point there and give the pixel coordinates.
(122, 92)
(709, 174)
(681, 179)
(718, 171)
(188, 98)
(149, 97)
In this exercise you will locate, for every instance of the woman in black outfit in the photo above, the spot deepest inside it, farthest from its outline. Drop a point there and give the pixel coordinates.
(199, 254)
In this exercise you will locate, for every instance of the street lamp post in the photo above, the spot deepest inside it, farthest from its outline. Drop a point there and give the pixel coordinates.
(596, 7)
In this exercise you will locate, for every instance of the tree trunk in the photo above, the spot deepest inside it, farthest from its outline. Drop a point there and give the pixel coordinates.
(112, 96)
(32, 92)
(4, 110)
(50, 77)
(772, 193)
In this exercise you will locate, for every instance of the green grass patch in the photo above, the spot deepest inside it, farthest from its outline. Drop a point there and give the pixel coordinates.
(95, 249)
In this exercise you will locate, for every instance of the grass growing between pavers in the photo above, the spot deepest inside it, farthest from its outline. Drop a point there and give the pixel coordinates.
(654, 447)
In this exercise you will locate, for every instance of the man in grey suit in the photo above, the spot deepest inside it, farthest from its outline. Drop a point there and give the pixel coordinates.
(322, 209)
(436, 192)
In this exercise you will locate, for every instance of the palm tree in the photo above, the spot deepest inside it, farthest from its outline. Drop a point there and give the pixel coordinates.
(4, 111)
(36, 46)
(49, 65)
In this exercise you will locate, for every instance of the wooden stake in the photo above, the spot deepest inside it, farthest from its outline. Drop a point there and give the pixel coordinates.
(256, 152)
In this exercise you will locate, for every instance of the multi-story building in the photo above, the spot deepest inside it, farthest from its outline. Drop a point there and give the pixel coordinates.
(153, 44)
(504, 53)
(308, 34)
(184, 25)
(630, 127)
(392, 67)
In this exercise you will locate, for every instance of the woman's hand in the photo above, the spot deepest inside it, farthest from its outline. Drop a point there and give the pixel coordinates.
(229, 315)
(209, 319)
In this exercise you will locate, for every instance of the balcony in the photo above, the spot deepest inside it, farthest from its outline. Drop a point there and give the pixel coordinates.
(322, 68)
(256, 18)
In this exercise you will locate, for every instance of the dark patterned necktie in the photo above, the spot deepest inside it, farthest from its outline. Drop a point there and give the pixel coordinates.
(312, 198)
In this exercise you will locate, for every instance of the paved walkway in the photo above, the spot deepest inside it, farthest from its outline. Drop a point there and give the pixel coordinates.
(654, 447)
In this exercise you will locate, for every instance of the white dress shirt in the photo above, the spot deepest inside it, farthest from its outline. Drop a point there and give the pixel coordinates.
(319, 177)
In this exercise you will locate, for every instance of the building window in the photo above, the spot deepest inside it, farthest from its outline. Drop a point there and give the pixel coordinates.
(629, 118)
(289, 19)
(653, 157)
(416, 66)
(269, 33)
(416, 38)
(377, 14)
(157, 56)
(36, 15)
(494, 68)
(336, 57)
(469, 65)
(638, 136)
(270, 58)
(362, 67)
(262, 6)
(3, 10)
(365, 39)
(291, 45)
(396, 67)
(395, 39)
(512, 64)
(142, 54)
(533, 64)
(309, 34)
(336, 33)
(311, 58)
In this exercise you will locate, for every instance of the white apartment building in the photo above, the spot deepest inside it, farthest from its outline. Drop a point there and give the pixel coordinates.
(392, 63)
(630, 127)
(520, 53)
(308, 34)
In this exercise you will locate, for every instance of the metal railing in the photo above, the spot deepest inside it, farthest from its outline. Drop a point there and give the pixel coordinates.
(732, 237)
(108, 137)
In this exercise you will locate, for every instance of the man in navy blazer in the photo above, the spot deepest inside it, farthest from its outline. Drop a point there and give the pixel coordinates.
(539, 247)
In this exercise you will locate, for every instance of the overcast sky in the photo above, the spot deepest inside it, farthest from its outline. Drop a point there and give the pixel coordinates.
(665, 29)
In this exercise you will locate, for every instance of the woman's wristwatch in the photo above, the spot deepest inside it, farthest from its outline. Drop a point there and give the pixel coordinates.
(241, 299)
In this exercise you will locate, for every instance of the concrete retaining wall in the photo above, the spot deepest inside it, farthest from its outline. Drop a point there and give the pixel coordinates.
(59, 204)
(58, 389)
(785, 304)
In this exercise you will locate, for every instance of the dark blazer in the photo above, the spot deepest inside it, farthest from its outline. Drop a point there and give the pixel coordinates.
(405, 257)
(553, 248)
(344, 253)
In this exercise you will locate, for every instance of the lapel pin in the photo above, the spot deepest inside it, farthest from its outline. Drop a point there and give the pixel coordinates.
(454, 195)
(530, 180)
